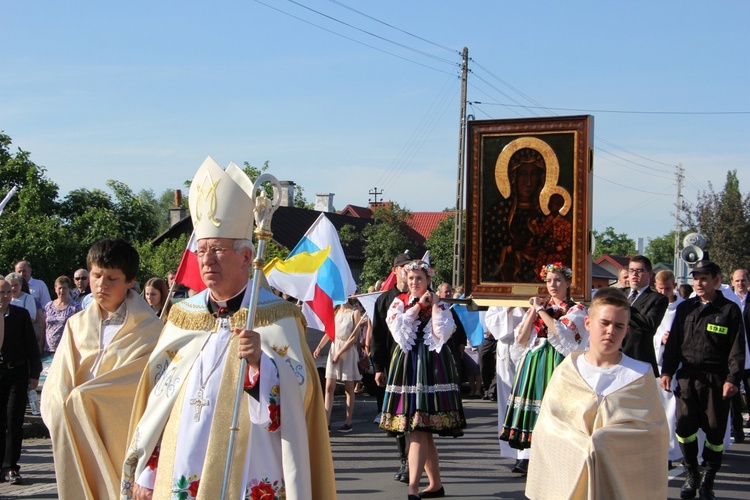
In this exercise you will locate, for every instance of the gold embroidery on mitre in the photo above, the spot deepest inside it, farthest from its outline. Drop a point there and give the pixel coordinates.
(281, 351)
(207, 196)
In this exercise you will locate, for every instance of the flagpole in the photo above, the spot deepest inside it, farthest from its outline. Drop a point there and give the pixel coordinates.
(169, 298)
(263, 211)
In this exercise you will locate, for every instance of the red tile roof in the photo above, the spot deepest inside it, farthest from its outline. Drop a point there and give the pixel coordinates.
(423, 223)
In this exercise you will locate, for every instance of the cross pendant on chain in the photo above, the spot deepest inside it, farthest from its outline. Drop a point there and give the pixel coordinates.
(199, 403)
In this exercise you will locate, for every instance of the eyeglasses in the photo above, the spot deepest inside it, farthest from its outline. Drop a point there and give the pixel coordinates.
(79, 278)
(215, 251)
(636, 271)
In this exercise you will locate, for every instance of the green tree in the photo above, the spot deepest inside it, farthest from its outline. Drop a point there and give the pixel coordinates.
(661, 248)
(440, 245)
(158, 260)
(30, 227)
(384, 239)
(348, 234)
(610, 243)
(36, 193)
(724, 220)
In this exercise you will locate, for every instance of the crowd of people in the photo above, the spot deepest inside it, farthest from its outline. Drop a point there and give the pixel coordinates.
(592, 402)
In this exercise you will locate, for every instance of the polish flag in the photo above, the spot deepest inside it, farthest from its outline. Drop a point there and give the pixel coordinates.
(188, 273)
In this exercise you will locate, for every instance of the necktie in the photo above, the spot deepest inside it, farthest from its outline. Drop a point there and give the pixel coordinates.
(633, 295)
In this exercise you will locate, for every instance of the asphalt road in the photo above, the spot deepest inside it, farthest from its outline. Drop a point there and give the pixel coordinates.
(366, 458)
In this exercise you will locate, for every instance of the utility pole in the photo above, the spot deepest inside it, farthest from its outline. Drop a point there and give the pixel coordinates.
(375, 193)
(459, 231)
(678, 266)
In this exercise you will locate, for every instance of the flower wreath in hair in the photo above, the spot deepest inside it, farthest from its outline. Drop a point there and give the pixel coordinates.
(556, 267)
(417, 265)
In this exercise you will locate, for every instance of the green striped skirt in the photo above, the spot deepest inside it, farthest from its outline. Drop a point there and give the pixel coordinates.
(532, 377)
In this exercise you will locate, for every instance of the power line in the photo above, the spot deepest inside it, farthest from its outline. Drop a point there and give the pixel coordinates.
(629, 187)
(648, 171)
(398, 44)
(508, 85)
(538, 105)
(417, 131)
(417, 145)
(395, 28)
(469, 103)
(352, 39)
(699, 113)
(501, 92)
(632, 153)
(630, 210)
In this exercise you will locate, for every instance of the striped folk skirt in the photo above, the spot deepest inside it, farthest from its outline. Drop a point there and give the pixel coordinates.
(532, 377)
(423, 393)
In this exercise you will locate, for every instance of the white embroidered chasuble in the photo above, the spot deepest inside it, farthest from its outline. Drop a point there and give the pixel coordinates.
(290, 444)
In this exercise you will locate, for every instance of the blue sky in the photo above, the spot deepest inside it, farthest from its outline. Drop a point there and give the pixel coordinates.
(143, 91)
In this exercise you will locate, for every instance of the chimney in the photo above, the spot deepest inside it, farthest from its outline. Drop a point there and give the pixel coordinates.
(324, 202)
(177, 212)
(287, 193)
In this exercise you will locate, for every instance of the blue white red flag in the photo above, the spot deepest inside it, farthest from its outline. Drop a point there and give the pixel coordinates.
(317, 273)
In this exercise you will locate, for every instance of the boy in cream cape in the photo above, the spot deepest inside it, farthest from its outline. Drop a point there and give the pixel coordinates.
(602, 431)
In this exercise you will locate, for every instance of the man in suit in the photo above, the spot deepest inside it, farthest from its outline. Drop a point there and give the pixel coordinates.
(647, 309)
(740, 283)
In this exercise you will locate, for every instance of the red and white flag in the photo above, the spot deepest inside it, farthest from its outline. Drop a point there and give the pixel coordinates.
(188, 273)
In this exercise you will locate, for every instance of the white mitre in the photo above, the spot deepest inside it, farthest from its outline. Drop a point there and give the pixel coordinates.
(220, 203)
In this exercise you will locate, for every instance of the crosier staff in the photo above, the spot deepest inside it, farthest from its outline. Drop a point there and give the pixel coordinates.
(262, 212)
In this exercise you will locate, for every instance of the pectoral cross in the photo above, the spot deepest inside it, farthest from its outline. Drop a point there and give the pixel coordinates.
(199, 403)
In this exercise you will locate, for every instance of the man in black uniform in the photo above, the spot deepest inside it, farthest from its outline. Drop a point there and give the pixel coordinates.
(708, 338)
(381, 349)
(20, 367)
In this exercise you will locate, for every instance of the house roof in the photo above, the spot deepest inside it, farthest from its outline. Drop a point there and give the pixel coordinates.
(598, 271)
(423, 223)
(290, 224)
(618, 261)
(355, 211)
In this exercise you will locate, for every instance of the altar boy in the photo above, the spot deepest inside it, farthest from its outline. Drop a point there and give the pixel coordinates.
(89, 392)
(602, 431)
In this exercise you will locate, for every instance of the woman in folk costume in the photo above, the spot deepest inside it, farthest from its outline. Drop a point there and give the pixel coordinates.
(550, 330)
(422, 395)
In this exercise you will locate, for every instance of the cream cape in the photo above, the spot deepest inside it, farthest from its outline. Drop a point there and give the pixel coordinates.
(88, 417)
(608, 450)
(307, 460)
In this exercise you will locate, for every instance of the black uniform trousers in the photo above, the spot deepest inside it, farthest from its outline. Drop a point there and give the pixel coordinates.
(700, 405)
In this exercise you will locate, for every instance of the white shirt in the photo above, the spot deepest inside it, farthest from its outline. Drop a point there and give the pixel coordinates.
(606, 380)
(39, 291)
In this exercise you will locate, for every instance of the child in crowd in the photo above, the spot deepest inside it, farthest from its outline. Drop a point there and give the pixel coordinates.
(602, 431)
(89, 392)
